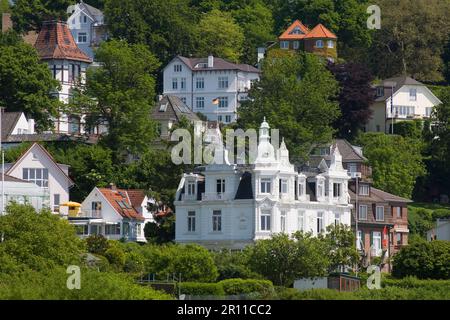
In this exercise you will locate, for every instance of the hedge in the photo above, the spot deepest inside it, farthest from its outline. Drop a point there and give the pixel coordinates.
(201, 289)
(263, 288)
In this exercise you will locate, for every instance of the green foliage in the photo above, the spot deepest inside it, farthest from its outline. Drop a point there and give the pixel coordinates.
(396, 161)
(4, 6)
(409, 129)
(161, 231)
(342, 248)
(425, 260)
(97, 244)
(263, 288)
(220, 36)
(116, 257)
(233, 264)
(201, 289)
(296, 94)
(29, 14)
(134, 263)
(25, 82)
(32, 285)
(121, 92)
(37, 241)
(193, 262)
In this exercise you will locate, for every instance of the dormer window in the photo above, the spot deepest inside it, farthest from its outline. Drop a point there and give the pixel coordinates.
(220, 186)
(296, 30)
(177, 68)
(364, 190)
(191, 188)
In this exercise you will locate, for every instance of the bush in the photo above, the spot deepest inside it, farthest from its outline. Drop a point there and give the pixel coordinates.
(263, 288)
(424, 260)
(201, 289)
(116, 257)
(441, 214)
(97, 244)
(134, 263)
(233, 264)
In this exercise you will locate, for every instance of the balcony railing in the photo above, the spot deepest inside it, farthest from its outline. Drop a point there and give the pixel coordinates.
(95, 214)
(216, 196)
(186, 196)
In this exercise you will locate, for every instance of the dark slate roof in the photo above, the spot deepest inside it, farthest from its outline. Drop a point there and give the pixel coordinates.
(245, 190)
(219, 64)
(400, 82)
(388, 196)
(175, 110)
(9, 121)
(93, 12)
(348, 151)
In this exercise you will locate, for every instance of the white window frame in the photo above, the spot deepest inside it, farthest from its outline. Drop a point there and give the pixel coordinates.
(301, 188)
(217, 221)
(337, 219)
(221, 183)
(376, 239)
(319, 222)
(359, 243)
(191, 220)
(183, 84)
(32, 175)
(301, 220)
(266, 185)
(398, 212)
(296, 45)
(223, 102)
(360, 211)
(82, 35)
(200, 103)
(412, 94)
(191, 186)
(200, 83)
(283, 221)
(223, 82)
(177, 68)
(284, 186)
(284, 44)
(174, 83)
(379, 213)
(265, 223)
(227, 118)
(364, 189)
(337, 190)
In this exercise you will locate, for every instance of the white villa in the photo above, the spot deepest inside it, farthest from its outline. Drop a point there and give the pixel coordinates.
(212, 86)
(411, 99)
(24, 192)
(228, 205)
(87, 26)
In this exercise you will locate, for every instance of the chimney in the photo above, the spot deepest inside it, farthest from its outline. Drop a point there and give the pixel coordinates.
(31, 126)
(210, 61)
(112, 186)
(6, 22)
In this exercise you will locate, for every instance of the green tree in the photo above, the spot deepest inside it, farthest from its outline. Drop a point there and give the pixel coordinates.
(38, 241)
(297, 96)
(162, 230)
(411, 39)
(219, 35)
(396, 161)
(28, 15)
(341, 241)
(26, 83)
(4, 6)
(121, 93)
(97, 244)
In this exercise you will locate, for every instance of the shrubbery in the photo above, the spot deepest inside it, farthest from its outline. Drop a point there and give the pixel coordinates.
(257, 288)
(201, 289)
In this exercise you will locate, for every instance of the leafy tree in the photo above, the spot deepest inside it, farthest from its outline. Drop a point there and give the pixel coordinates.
(406, 45)
(97, 244)
(220, 36)
(99, 4)
(37, 241)
(232, 265)
(410, 129)
(116, 257)
(121, 93)
(446, 60)
(28, 15)
(355, 98)
(296, 94)
(4, 6)
(342, 248)
(166, 26)
(396, 161)
(26, 83)
(134, 263)
(424, 260)
(162, 230)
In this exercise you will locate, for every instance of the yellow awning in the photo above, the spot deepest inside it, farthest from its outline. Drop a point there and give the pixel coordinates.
(70, 204)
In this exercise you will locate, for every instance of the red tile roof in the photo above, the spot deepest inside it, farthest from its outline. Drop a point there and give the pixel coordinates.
(120, 201)
(55, 41)
(288, 35)
(320, 31)
(136, 197)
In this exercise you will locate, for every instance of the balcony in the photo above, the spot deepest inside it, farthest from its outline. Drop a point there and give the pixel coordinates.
(216, 196)
(90, 214)
(188, 197)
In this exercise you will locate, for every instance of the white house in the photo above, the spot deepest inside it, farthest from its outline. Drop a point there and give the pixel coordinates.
(228, 205)
(212, 86)
(16, 123)
(114, 213)
(87, 26)
(24, 192)
(38, 166)
(410, 100)
(441, 231)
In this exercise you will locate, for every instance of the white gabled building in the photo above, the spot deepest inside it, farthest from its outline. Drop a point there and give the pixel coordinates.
(227, 205)
(200, 81)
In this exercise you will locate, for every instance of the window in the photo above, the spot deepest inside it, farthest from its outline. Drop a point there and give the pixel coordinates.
(74, 124)
(379, 215)
(330, 44)
(362, 212)
(364, 190)
(265, 220)
(428, 111)
(399, 238)
(284, 44)
(112, 229)
(191, 221)
(319, 188)
(380, 91)
(228, 119)
(220, 186)
(399, 212)
(301, 189)
(352, 167)
(177, 68)
(319, 44)
(337, 219)
(95, 229)
(174, 83)
(223, 82)
(319, 222)
(223, 102)
(84, 19)
(359, 240)
(82, 37)
(404, 110)
(283, 186)
(412, 94)
(56, 202)
(200, 102)
(296, 45)
(376, 242)
(283, 221)
(219, 118)
(37, 175)
(217, 220)
(266, 186)
(183, 99)
(74, 72)
(183, 83)
(191, 188)
(336, 190)
(301, 220)
(96, 207)
(126, 229)
(200, 83)
(82, 230)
